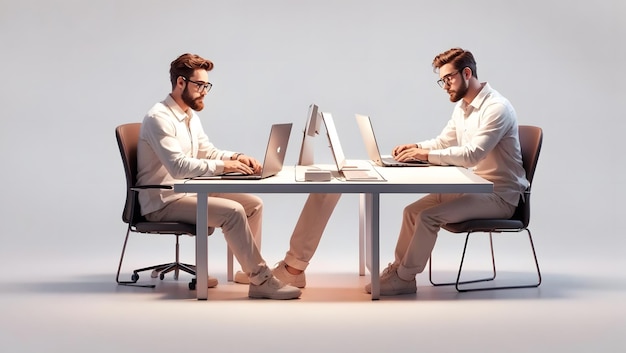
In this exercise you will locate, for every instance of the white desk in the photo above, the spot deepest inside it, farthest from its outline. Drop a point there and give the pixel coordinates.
(399, 180)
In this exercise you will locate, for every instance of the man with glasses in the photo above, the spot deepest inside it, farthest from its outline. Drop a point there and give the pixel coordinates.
(483, 135)
(173, 146)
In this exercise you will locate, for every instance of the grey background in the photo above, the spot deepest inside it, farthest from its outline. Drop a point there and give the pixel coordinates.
(73, 70)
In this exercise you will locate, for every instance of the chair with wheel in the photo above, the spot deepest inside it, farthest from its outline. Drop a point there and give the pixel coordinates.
(127, 136)
(531, 138)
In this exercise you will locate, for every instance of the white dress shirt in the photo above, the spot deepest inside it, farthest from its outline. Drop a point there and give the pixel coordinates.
(173, 146)
(483, 135)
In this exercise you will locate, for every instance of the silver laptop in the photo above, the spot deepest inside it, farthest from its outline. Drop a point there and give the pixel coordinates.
(350, 172)
(274, 155)
(367, 132)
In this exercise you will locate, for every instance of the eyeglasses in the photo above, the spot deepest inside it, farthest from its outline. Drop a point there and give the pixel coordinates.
(200, 86)
(446, 79)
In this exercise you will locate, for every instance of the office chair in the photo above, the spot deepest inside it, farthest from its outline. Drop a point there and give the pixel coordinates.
(127, 137)
(531, 138)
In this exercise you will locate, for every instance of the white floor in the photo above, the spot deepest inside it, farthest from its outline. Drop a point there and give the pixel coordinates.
(87, 312)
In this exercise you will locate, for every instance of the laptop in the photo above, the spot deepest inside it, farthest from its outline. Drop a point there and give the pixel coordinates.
(367, 133)
(350, 172)
(274, 156)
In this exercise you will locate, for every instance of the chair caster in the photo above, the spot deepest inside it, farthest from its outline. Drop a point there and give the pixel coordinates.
(134, 277)
(161, 275)
(154, 274)
(192, 284)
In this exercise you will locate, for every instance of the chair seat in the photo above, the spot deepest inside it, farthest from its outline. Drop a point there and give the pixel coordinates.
(484, 225)
(166, 227)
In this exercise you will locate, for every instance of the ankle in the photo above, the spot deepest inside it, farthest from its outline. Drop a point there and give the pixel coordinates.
(404, 274)
(404, 278)
(293, 271)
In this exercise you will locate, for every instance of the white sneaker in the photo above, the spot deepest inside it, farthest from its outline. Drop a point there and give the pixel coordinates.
(392, 284)
(284, 276)
(273, 288)
(241, 278)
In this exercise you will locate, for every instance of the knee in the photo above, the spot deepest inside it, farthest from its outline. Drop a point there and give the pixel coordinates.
(237, 211)
(233, 217)
(410, 213)
(256, 205)
(429, 219)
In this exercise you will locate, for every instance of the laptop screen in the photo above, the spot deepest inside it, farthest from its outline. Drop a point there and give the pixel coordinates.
(333, 140)
(276, 149)
(369, 139)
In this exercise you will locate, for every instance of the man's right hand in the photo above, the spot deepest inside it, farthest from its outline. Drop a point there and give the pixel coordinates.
(400, 148)
(237, 167)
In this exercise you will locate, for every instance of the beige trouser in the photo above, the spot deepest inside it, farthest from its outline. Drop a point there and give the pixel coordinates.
(308, 231)
(422, 220)
(239, 216)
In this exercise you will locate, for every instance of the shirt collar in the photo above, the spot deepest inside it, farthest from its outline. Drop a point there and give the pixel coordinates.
(480, 97)
(178, 112)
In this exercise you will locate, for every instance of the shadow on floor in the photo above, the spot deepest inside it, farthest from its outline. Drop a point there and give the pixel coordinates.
(322, 287)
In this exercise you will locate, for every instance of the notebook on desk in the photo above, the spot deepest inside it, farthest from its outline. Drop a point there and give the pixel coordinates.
(350, 172)
(273, 159)
(367, 133)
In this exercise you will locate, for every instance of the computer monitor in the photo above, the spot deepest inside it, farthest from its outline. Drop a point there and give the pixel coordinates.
(311, 128)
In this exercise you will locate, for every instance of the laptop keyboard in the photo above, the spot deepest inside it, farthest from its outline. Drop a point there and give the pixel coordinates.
(359, 174)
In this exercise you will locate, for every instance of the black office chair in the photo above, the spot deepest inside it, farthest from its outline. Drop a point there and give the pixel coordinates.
(127, 137)
(531, 138)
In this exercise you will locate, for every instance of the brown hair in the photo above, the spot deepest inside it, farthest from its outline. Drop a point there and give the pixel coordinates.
(458, 57)
(186, 64)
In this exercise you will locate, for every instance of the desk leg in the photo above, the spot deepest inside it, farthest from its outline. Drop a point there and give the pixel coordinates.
(362, 235)
(229, 264)
(372, 214)
(202, 234)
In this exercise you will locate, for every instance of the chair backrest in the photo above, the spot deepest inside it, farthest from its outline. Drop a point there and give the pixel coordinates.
(127, 136)
(531, 138)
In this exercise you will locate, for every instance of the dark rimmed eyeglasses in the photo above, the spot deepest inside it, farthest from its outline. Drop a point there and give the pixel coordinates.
(447, 78)
(200, 86)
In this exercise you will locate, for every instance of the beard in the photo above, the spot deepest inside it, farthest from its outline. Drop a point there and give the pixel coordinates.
(194, 103)
(457, 95)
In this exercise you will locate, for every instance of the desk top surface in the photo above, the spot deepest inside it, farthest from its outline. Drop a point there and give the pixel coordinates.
(430, 179)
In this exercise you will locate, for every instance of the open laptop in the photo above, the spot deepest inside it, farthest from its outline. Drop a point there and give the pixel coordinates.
(274, 156)
(350, 172)
(367, 132)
